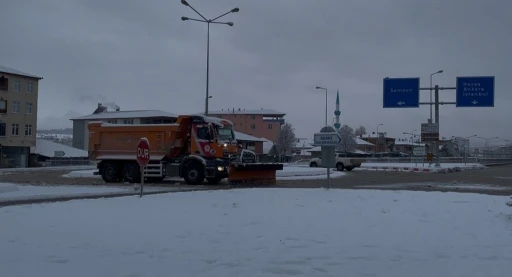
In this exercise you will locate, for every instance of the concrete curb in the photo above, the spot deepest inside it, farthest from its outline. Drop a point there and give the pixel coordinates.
(64, 198)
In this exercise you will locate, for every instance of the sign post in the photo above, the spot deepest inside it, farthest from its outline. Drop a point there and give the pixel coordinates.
(328, 140)
(143, 159)
(470, 92)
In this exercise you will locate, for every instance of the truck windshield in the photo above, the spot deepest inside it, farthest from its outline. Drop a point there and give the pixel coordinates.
(225, 133)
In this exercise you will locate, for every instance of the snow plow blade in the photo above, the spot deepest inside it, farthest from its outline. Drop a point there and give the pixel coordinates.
(253, 173)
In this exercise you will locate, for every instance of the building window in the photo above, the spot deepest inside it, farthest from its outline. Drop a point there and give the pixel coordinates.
(3, 130)
(253, 117)
(270, 126)
(15, 106)
(16, 86)
(28, 130)
(4, 83)
(15, 129)
(28, 108)
(128, 121)
(30, 87)
(3, 106)
(112, 121)
(253, 126)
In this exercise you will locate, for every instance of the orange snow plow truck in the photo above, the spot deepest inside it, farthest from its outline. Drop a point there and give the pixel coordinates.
(195, 148)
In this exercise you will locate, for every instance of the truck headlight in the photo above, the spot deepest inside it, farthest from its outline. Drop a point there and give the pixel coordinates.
(225, 145)
(220, 168)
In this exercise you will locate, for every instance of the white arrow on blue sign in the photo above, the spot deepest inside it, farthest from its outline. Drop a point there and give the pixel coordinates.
(327, 139)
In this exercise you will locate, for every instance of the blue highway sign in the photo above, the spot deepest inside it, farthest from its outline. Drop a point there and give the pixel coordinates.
(475, 91)
(401, 93)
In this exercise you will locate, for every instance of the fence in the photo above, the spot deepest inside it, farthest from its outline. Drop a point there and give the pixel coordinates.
(458, 160)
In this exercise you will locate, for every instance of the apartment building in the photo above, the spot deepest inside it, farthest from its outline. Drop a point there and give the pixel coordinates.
(264, 123)
(18, 116)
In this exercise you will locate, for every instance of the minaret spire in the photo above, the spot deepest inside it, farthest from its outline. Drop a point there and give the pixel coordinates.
(337, 112)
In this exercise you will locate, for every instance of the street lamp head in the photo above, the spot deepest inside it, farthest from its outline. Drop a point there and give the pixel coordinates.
(184, 18)
(440, 71)
(184, 3)
(230, 23)
(235, 10)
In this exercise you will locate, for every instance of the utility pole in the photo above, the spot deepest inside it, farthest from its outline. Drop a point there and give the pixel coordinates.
(325, 103)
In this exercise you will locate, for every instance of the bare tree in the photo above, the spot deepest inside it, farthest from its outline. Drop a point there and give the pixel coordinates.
(286, 140)
(348, 142)
(359, 131)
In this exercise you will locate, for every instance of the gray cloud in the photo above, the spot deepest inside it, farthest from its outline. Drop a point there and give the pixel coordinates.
(140, 55)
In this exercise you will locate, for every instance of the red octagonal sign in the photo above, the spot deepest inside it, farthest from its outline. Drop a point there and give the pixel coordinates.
(143, 152)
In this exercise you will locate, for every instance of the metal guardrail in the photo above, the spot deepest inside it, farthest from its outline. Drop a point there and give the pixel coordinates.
(459, 160)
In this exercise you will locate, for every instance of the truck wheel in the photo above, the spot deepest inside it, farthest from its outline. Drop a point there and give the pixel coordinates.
(340, 166)
(313, 165)
(213, 181)
(194, 174)
(111, 173)
(131, 173)
(349, 168)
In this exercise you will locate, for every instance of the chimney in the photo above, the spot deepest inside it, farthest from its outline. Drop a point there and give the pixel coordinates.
(238, 109)
(99, 105)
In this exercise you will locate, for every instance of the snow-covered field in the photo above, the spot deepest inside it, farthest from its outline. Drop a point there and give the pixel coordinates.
(288, 173)
(261, 232)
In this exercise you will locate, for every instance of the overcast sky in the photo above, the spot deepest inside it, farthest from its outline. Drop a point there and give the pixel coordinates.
(140, 55)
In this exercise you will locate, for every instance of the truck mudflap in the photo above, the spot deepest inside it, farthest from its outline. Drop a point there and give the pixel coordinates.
(253, 173)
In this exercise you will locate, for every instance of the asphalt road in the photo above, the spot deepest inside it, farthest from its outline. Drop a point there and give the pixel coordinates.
(492, 180)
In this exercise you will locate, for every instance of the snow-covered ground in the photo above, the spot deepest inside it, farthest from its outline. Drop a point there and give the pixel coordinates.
(261, 232)
(288, 173)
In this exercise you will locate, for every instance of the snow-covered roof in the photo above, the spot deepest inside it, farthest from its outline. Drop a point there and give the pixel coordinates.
(213, 120)
(267, 145)
(360, 141)
(8, 70)
(126, 114)
(315, 149)
(47, 148)
(246, 137)
(268, 112)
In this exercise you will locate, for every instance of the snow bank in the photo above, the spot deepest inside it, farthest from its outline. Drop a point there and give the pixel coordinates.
(14, 191)
(261, 232)
(4, 188)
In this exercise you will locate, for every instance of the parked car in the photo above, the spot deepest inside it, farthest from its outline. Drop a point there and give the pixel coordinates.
(342, 162)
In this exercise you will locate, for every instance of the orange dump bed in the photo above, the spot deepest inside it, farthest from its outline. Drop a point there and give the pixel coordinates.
(119, 142)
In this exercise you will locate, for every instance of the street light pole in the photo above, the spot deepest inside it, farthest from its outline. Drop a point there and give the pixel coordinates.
(207, 21)
(487, 141)
(438, 72)
(325, 103)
